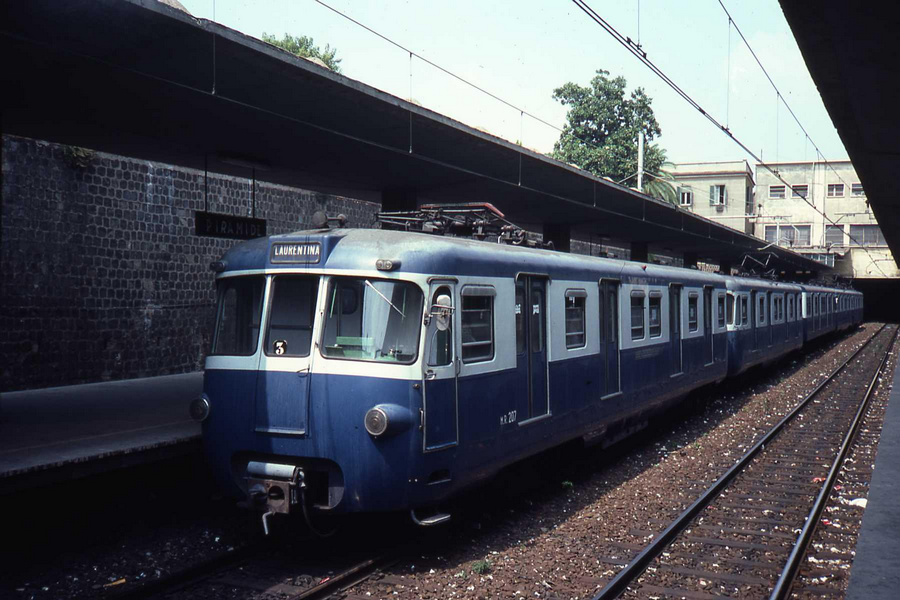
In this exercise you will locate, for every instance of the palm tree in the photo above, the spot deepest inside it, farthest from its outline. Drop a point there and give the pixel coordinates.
(661, 184)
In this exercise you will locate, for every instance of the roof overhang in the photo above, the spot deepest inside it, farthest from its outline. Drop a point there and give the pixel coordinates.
(142, 79)
(848, 49)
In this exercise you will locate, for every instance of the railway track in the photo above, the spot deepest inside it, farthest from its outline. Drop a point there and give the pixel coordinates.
(267, 572)
(748, 534)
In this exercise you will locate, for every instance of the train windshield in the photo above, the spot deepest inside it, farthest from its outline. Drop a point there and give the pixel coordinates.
(238, 315)
(372, 320)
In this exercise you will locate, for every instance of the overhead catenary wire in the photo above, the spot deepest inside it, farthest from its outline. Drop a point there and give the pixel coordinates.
(641, 55)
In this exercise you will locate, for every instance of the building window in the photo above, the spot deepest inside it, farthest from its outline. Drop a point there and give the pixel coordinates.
(748, 202)
(717, 195)
(693, 321)
(789, 235)
(575, 328)
(866, 235)
(800, 191)
(834, 235)
(685, 197)
(835, 190)
(776, 191)
(825, 259)
(655, 315)
(477, 328)
(637, 315)
(802, 237)
(856, 189)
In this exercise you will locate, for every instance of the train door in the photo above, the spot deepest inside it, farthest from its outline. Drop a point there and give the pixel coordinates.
(531, 341)
(283, 382)
(754, 325)
(609, 335)
(771, 311)
(675, 328)
(439, 377)
(707, 326)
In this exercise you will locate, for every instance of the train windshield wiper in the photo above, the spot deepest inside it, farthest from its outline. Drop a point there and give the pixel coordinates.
(374, 289)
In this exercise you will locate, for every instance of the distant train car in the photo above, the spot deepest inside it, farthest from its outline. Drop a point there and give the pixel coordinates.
(371, 370)
(764, 321)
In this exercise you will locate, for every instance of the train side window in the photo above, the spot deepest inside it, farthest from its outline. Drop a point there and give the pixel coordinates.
(637, 315)
(520, 317)
(654, 317)
(693, 321)
(440, 352)
(762, 310)
(720, 311)
(729, 299)
(477, 324)
(744, 310)
(575, 327)
(790, 307)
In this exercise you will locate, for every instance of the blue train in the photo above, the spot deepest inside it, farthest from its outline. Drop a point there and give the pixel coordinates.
(371, 370)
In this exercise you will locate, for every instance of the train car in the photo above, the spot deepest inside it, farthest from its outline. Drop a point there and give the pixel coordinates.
(368, 370)
(764, 321)
(818, 304)
(371, 370)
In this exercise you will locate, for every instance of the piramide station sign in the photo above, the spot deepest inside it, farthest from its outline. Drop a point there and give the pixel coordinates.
(228, 226)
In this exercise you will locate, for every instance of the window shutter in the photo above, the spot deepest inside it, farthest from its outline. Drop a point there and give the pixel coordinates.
(712, 195)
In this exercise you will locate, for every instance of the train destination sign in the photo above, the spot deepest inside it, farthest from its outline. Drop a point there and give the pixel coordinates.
(296, 252)
(228, 226)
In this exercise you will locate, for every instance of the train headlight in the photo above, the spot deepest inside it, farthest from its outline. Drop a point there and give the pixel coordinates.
(385, 420)
(199, 408)
(376, 421)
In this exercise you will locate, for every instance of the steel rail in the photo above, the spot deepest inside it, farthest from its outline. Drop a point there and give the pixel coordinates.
(637, 566)
(782, 588)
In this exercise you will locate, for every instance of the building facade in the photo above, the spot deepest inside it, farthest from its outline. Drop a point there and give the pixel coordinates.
(722, 191)
(822, 211)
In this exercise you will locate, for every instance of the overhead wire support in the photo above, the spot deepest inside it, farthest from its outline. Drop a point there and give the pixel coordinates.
(777, 91)
(642, 56)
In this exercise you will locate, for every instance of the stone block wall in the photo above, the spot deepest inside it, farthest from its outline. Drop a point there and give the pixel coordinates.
(101, 275)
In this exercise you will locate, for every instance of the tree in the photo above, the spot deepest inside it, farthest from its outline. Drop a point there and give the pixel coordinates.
(601, 133)
(304, 47)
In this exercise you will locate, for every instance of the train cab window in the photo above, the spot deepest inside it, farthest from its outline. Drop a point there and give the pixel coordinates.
(575, 328)
(693, 320)
(477, 324)
(291, 314)
(238, 315)
(372, 320)
(654, 315)
(637, 315)
(720, 311)
(744, 310)
(729, 308)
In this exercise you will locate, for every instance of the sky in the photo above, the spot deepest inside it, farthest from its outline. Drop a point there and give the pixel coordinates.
(520, 51)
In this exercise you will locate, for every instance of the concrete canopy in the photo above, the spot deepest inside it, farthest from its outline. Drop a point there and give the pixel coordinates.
(140, 78)
(848, 49)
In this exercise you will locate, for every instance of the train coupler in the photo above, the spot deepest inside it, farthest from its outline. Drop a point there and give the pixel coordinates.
(274, 489)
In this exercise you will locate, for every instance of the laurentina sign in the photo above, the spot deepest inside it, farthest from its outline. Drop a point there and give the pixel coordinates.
(228, 226)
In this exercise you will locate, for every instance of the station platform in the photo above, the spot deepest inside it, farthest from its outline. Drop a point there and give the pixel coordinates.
(62, 433)
(875, 574)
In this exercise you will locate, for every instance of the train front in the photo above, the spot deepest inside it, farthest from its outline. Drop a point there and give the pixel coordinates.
(311, 392)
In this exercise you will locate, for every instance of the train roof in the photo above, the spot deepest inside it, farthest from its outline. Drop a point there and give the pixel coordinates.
(358, 249)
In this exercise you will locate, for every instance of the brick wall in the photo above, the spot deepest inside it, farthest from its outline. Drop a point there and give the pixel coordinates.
(101, 275)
